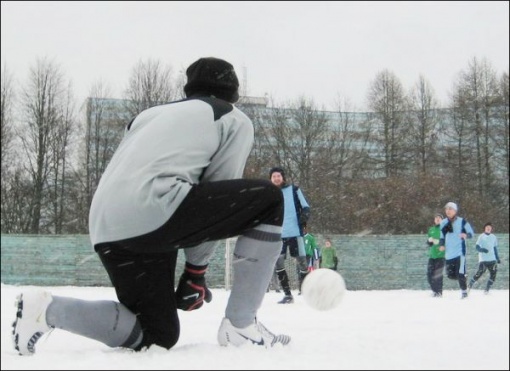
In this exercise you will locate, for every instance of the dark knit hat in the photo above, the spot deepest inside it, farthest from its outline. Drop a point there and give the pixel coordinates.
(212, 76)
(277, 169)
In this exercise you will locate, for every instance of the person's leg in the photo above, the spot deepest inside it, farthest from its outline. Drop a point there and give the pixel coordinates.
(144, 283)
(493, 270)
(462, 275)
(296, 248)
(455, 269)
(248, 208)
(439, 275)
(478, 274)
(251, 209)
(281, 272)
(255, 256)
(106, 321)
(214, 211)
(430, 273)
(302, 266)
(302, 269)
(254, 259)
(275, 284)
(452, 268)
(436, 276)
(309, 263)
(146, 314)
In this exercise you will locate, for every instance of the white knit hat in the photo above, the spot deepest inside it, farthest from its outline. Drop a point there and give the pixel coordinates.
(451, 205)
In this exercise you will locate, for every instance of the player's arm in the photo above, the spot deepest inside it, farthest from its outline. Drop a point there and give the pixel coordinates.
(305, 211)
(481, 249)
(468, 230)
(442, 232)
(496, 254)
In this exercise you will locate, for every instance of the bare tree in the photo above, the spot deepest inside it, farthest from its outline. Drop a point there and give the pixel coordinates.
(356, 168)
(339, 157)
(260, 159)
(423, 135)
(501, 135)
(500, 149)
(42, 105)
(478, 100)
(309, 128)
(296, 133)
(103, 128)
(7, 101)
(457, 136)
(16, 203)
(347, 142)
(388, 101)
(279, 135)
(150, 85)
(10, 217)
(62, 154)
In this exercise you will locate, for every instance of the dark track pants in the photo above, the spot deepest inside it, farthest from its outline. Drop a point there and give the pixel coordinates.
(142, 268)
(435, 269)
(456, 270)
(492, 267)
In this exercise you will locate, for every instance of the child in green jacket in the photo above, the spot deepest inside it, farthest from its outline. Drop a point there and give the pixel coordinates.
(436, 260)
(328, 257)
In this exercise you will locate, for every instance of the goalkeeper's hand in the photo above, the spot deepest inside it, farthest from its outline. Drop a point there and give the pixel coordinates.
(192, 290)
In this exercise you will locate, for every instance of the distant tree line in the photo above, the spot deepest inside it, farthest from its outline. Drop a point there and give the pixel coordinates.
(385, 171)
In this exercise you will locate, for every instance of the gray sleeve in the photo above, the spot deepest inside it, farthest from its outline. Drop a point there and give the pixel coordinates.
(236, 141)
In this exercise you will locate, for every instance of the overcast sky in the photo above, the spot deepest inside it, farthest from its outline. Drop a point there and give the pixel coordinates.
(288, 49)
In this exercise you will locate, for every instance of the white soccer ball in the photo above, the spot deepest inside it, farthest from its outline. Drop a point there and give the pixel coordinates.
(323, 289)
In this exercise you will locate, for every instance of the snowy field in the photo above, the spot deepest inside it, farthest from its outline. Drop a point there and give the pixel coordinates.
(378, 330)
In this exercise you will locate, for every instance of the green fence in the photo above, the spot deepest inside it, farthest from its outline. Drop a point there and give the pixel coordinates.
(367, 262)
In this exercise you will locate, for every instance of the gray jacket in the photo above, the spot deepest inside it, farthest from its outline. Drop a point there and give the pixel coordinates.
(164, 151)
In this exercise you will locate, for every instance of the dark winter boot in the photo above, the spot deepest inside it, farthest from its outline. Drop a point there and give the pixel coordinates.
(284, 282)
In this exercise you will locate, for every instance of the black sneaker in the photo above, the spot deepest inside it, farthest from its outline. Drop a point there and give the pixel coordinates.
(287, 299)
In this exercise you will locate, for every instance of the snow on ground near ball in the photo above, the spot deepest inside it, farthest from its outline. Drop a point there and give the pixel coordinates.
(323, 289)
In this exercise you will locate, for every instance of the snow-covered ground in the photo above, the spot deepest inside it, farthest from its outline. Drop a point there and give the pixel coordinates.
(379, 330)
